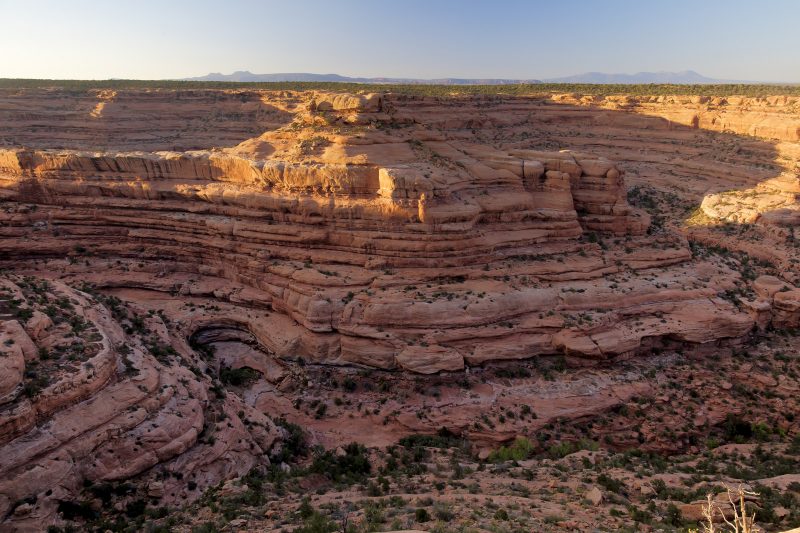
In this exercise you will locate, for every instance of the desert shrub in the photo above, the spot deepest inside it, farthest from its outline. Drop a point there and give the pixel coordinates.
(294, 444)
(512, 372)
(736, 429)
(35, 382)
(562, 449)
(317, 523)
(611, 484)
(351, 467)
(374, 490)
(444, 438)
(106, 491)
(349, 384)
(160, 351)
(374, 515)
(238, 377)
(673, 516)
(135, 508)
(207, 527)
(521, 449)
(443, 512)
(639, 515)
(253, 496)
(24, 314)
(71, 510)
(761, 431)
(305, 510)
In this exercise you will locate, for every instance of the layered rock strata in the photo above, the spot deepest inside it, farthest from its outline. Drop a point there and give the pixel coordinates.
(92, 394)
(159, 247)
(381, 239)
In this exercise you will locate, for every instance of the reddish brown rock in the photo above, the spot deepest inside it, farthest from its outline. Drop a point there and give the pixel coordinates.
(382, 231)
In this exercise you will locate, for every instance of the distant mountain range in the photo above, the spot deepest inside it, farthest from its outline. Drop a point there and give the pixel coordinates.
(688, 77)
(683, 77)
(245, 76)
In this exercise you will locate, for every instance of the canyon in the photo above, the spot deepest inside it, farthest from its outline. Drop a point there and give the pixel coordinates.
(190, 275)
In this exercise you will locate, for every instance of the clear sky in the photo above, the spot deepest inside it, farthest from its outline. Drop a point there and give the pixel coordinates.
(154, 39)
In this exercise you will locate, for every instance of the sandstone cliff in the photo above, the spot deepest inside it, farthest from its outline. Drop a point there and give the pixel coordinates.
(157, 241)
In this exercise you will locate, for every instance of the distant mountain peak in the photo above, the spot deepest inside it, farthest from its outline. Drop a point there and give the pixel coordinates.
(683, 77)
(662, 76)
(247, 76)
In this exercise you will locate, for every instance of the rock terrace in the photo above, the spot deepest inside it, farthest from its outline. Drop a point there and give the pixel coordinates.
(156, 244)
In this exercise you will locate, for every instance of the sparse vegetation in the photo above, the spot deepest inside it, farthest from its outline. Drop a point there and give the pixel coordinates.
(419, 89)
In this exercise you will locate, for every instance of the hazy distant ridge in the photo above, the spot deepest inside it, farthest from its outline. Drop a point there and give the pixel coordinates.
(245, 76)
(688, 77)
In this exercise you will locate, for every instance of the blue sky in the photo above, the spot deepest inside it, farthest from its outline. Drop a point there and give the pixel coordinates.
(147, 39)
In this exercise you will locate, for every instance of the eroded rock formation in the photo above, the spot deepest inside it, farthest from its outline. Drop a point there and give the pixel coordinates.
(383, 231)
(377, 233)
(91, 394)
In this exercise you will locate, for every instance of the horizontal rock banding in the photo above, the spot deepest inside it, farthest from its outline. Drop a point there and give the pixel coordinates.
(264, 214)
(384, 231)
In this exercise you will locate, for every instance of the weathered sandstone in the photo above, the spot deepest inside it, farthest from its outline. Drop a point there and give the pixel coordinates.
(151, 264)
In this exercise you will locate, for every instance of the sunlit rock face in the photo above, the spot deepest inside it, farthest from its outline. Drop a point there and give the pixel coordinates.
(161, 249)
(385, 230)
(94, 392)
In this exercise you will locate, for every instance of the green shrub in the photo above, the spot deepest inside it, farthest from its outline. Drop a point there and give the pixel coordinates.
(71, 510)
(611, 484)
(673, 515)
(639, 515)
(135, 508)
(352, 467)
(521, 449)
(207, 527)
(294, 444)
(317, 523)
(761, 431)
(562, 449)
(305, 510)
(444, 438)
(443, 512)
(238, 377)
(348, 384)
(24, 314)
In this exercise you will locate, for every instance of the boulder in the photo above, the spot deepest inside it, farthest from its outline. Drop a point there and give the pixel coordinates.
(594, 496)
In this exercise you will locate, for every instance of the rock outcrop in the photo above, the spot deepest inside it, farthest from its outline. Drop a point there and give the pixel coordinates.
(381, 232)
(152, 267)
(102, 396)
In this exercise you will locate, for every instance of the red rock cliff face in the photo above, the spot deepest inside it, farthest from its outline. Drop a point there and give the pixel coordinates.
(136, 119)
(771, 117)
(384, 227)
(383, 231)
